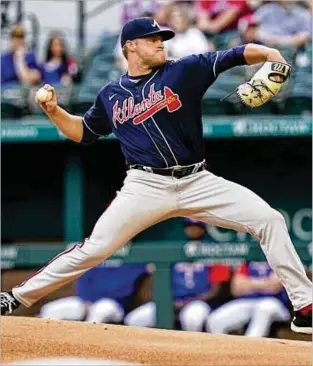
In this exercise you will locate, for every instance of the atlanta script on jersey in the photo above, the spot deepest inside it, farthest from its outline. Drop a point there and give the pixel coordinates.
(157, 117)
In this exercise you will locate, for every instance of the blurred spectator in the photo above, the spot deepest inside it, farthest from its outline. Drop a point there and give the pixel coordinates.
(188, 39)
(159, 10)
(137, 8)
(307, 4)
(216, 16)
(284, 23)
(248, 28)
(104, 294)
(58, 67)
(197, 288)
(190, 6)
(260, 301)
(18, 65)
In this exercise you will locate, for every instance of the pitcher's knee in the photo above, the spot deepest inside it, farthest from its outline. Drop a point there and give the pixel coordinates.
(273, 217)
(268, 218)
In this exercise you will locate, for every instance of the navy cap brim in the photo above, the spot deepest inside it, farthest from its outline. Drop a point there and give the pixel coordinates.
(166, 34)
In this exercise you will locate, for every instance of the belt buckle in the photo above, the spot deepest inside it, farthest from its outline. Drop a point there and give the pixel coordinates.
(147, 169)
(179, 171)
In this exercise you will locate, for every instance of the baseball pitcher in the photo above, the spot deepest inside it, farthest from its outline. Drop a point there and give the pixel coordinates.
(154, 110)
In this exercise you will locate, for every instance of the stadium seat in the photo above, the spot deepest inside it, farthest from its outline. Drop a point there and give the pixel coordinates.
(268, 108)
(298, 105)
(299, 100)
(214, 106)
(222, 40)
(14, 101)
(288, 53)
(105, 48)
(213, 101)
(82, 100)
(100, 71)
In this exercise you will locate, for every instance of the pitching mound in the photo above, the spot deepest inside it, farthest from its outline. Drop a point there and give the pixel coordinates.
(30, 338)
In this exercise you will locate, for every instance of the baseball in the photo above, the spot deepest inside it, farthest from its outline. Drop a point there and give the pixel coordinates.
(43, 95)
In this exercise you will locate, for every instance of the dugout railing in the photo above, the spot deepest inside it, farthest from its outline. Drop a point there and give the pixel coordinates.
(162, 254)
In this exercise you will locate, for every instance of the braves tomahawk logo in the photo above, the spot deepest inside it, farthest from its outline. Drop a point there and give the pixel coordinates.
(140, 112)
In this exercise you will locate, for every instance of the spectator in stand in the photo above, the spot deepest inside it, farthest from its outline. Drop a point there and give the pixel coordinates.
(59, 68)
(260, 301)
(284, 23)
(98, 300)
(218, 16)
(307, 4)
(197, 289)
(19, 65)
(188, 39)
(248, 28)
(248, 32)
(136, 8)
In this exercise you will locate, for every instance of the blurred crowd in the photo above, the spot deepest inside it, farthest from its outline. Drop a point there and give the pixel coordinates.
(200, 26)
(205, 25)
(217, 298)
(19, 65)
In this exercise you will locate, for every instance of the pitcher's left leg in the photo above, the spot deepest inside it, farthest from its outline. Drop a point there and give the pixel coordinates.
(222, 203)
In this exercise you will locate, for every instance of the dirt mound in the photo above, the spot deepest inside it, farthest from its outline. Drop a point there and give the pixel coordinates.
(30, 338)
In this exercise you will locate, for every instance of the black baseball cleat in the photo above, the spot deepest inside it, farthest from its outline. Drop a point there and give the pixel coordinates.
(8, 303)
(302, 323)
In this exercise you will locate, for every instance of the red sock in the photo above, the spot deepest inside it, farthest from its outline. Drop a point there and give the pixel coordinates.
(306, 310)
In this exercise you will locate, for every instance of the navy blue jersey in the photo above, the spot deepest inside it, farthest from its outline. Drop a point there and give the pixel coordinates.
(157, 117)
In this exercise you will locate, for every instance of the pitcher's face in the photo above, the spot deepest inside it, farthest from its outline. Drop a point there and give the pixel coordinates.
(151, 50)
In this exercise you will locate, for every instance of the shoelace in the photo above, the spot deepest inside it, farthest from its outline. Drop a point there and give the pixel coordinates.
(7, 301)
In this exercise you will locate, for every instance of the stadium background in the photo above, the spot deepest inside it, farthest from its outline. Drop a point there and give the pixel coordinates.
(53, 191)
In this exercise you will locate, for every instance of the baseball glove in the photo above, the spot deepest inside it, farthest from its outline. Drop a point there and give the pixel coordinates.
(265, 84)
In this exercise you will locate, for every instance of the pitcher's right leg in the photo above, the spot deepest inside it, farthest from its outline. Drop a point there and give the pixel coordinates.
(143, 201)
(226, 204)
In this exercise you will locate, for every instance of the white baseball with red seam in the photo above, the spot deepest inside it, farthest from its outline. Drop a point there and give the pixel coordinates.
(43, 95)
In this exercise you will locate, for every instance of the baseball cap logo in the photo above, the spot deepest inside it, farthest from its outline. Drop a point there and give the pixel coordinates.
(155, 24)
